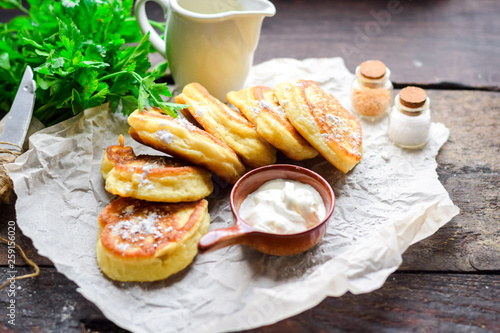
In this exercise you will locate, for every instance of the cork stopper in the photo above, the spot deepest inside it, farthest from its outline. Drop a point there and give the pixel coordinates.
(412, 97)
(372, 69)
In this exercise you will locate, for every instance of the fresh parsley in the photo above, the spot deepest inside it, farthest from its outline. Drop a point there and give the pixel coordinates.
(84, 53)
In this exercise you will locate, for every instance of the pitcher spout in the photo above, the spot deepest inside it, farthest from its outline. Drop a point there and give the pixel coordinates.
(258, 7)
(249, 20)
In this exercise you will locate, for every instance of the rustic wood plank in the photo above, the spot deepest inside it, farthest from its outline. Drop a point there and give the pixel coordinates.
(416, 302)
(426, 42)
(49, 303)
(407, 302)
(463, 36)
(469, 168)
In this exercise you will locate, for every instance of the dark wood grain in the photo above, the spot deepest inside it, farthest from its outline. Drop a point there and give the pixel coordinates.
(430, 42)
(426, 42)
(449, 282)
(50, 303)
(469, 168)
(407, 302)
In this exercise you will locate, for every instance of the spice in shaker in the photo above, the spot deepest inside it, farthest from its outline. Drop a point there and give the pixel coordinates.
(410, 118)
(371, 90)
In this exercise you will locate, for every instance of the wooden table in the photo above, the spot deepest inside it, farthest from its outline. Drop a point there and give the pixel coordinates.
(449, 282)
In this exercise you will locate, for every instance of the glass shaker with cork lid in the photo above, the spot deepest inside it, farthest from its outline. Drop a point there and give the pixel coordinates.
(410, 118)
(371, 90)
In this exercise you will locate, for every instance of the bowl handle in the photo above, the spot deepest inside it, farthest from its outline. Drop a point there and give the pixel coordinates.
(220, 238)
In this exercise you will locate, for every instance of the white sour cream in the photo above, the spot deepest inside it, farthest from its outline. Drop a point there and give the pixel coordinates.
(283, 206)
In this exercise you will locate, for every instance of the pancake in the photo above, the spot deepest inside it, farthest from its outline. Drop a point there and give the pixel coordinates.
(322, 121)
(145, 241)
(159, 178)
(227, 125)
(261, 108)
(179, 138)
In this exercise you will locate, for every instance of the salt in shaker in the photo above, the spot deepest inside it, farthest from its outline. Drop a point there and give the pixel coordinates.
(410, 118)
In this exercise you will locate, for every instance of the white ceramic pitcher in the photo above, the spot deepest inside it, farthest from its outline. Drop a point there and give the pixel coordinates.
(211, 42)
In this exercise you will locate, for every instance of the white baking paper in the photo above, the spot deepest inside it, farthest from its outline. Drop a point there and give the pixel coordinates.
(391, 200)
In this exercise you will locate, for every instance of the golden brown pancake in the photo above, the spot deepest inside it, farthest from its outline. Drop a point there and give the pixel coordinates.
(322, 121)
(179, 138)
(227, 125)
(159, 178)
(261, 108)
(145, 241)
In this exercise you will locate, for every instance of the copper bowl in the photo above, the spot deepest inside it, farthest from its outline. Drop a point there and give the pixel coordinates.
(271, 243)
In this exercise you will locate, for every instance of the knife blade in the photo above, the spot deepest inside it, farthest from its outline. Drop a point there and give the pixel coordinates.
(19, 117)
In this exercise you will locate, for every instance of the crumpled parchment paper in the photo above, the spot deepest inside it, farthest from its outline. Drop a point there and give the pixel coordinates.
(391, 200)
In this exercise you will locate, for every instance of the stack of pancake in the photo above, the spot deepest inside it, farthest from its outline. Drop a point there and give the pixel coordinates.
(152, 230)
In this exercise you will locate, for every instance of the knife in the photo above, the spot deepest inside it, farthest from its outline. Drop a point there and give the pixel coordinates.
(19, 116)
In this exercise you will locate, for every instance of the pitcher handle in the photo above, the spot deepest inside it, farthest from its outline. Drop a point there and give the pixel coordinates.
(142, 18)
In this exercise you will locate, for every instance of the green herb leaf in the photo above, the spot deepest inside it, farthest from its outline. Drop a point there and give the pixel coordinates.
(82, 56)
